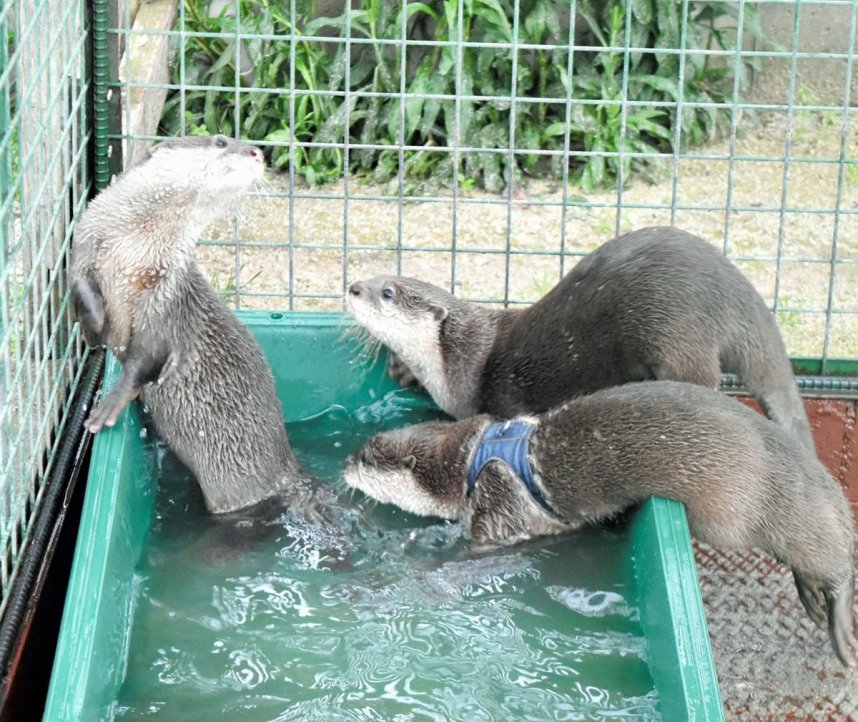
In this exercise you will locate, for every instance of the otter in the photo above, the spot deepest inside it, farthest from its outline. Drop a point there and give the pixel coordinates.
(137, 290)
(655, 304)
(744, 481)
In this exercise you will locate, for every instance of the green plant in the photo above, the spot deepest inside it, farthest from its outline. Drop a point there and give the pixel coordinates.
(599, 127)
(825, 118)
(456, 93)
(543, 284)
(229, 286)
(790, 319)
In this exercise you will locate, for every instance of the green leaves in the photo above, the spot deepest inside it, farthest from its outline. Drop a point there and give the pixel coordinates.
(626, 96)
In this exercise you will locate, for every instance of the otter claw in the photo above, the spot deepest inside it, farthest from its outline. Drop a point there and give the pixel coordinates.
(813, 600)
(101, 417)
(841, 626)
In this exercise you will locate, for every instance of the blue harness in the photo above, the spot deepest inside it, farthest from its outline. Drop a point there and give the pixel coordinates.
(507, 442)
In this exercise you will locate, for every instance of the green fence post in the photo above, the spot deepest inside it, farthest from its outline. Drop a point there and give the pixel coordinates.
(106, 106)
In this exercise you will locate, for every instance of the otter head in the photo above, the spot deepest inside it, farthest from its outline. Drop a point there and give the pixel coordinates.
(409, 317)
(213, 169)
(419, 468)
(403, 313)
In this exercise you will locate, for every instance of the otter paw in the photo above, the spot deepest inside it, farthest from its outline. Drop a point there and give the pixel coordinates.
(399, 372)
(99, 418)
(107, 412)
(841, 625)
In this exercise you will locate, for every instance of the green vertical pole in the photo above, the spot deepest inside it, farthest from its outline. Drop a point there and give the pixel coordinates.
(106, 108)
(5, 143)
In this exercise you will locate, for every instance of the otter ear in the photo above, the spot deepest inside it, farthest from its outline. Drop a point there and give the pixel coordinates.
(439, 312)
(409, 462)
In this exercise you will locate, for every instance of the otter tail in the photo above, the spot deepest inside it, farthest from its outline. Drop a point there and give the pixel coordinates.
(764, 367)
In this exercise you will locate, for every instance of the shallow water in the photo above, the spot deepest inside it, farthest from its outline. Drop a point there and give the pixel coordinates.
(387, 617)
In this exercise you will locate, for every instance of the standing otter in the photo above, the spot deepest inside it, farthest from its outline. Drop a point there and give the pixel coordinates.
(137, 290)
(658, 303)
(744, 481)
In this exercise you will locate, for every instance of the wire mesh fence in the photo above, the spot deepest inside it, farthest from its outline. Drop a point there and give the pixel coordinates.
(485, 146)
(43, 185)
(482, 145)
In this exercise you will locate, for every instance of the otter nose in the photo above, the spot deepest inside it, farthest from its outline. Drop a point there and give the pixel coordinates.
(256, 154)
(357, 288)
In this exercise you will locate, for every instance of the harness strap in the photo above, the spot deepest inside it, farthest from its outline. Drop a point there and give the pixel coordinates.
(507, 442)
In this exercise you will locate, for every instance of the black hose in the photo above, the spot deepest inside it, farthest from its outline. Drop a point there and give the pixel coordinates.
(52, 503)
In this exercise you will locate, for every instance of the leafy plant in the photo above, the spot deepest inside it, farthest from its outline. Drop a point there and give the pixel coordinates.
(464, 91)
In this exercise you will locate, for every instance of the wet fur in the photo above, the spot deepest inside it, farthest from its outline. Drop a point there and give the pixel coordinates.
(137, 290)
(657, 303)
(744, 481)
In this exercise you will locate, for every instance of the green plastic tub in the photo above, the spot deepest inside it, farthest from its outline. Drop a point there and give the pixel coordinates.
(316, 370)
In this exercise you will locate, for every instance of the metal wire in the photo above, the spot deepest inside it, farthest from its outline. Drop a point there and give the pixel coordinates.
(44, 182)
(765, 236)
(504, 247)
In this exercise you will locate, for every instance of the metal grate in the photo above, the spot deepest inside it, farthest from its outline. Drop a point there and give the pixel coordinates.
(43, 186)
(773, 663)
(777, 188)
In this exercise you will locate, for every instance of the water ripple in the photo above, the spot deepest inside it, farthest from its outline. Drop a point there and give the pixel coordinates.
(397, 619)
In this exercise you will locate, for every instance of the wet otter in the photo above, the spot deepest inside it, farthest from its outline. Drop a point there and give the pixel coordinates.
(137, 290)
(657, 303)
(744, 481)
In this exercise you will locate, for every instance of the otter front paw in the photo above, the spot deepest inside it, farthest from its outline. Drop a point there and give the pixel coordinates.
(107, 412)
(399, 372)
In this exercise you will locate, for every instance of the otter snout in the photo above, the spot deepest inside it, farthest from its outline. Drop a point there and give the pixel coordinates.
(357, 289)
(256, 154)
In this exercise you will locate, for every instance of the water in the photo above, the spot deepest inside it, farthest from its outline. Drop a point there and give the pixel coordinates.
(390, 617)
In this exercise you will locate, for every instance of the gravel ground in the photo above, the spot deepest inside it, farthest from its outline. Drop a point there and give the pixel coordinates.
(484, 223)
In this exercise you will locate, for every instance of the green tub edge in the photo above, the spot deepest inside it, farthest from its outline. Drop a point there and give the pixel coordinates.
(669, 602)
(84, 687)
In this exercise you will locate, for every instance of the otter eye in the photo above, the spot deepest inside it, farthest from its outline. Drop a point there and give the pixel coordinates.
(220, 141)
(388, 293)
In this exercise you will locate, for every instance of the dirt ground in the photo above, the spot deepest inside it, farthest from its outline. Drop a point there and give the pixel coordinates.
(489, 247)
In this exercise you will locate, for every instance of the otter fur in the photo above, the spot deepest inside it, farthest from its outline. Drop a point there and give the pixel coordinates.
(744, 481)
(137, 290)
(657, 303)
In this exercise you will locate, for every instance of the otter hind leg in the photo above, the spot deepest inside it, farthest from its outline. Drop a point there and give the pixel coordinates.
(767, 373)
(784, 406)
(88, 305)
(701, 368)
(841, 626)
